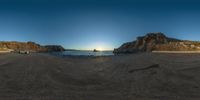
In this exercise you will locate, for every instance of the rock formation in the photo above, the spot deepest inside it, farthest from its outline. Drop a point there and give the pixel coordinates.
(17, 46)
(51, 48)
(95, 50)
(30, 46)
(157, 41)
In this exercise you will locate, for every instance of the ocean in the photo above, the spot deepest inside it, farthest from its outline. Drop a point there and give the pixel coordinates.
(83, 53)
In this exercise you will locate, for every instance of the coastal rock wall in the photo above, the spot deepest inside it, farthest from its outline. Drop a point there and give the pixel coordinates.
(157, 41)
(17, 46)
(30, 46)
(178, 46)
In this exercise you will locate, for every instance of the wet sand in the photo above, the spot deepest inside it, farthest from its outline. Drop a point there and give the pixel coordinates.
(143, 76)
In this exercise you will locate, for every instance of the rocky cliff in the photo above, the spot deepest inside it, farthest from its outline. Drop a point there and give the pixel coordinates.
(17, 46)
(158, 42)
(51, 48)
(30, 46)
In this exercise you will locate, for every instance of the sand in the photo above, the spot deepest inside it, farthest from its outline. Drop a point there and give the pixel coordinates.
(143, 76)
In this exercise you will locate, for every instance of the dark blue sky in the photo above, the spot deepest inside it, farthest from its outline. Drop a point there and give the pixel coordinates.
(92, 24)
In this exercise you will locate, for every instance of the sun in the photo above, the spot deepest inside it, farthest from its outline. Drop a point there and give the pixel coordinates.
(99, 48)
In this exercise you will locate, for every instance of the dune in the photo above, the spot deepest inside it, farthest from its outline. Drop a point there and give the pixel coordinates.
(142, 76)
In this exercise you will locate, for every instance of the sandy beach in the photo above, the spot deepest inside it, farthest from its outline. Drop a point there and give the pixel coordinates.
(143, 76)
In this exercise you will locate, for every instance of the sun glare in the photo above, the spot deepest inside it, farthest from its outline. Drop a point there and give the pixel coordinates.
(100, 48)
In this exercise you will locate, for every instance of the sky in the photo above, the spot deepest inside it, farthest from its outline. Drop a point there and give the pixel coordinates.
(89, 24)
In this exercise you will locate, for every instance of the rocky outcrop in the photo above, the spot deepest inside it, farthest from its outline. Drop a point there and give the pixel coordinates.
(29, 46)
(18, 46)
(157, 41)
(52, 48)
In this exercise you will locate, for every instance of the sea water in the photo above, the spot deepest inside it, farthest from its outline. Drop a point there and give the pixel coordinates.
(83, 53)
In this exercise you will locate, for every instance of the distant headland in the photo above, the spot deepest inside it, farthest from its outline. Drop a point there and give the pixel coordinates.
(157, 42)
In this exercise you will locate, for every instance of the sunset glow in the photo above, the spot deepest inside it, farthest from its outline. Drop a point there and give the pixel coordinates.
(100, 49)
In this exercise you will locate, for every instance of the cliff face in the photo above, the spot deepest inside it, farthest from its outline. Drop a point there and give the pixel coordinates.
(30, 46)
(51, 48)
(17, 46)
(157, 41)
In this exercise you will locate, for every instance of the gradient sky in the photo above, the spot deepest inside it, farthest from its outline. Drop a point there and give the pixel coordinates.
(89, 24)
